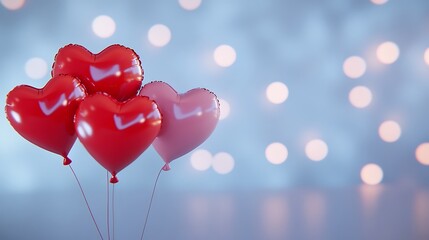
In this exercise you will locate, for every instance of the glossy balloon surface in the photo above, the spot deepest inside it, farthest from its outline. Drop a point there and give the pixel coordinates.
(45, 116)
(116, 133)
(116, 70)
(188, 119)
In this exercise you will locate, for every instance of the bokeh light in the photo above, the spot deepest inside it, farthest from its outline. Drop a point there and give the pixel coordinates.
(422, 153)
(223, 163)
(371, 174)
(36, 68)
(316, 150)
(360, 97)
(224, 55)
(103, 26)
(388, 52)
(276, 153)
(379, 2)
(389, 131)
(354, 67)
(224, 109)
(201, 159)
(277, 92)
(190, 4)
(13, 4)
(426, 56)
(159, 35)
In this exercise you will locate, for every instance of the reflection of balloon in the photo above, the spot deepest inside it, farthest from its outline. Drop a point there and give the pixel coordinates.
(116, 70)
(188, 119)
(116, 133)
(45, 116)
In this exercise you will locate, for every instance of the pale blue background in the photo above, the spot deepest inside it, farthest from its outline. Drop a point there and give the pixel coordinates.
(301, 43)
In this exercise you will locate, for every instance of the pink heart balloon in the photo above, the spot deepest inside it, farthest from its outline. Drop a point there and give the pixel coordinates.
(188, 119)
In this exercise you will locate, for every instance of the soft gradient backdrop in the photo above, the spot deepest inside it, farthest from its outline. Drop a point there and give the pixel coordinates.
(311, 93)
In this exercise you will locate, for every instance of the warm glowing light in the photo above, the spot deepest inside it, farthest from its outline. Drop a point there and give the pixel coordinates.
(316, 149)
(224, 109)
(422, 153)
(360, 97)
(426, 56)
(354, 67)
(371, 174)
(276, 153)
(387, 52)
(159, 35)
(103, 26)
(224, 55)
(379, 2)
(277, 92)
(201, 159)
(190, 4)
(223, 163)
(13, 4)
(36, 68)
(389, 131)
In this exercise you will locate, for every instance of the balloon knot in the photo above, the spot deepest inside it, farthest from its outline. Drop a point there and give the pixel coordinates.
(114, 179)
(66, 161)
(166, 167)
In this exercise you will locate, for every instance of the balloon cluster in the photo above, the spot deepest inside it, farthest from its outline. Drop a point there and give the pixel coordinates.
(99, 99)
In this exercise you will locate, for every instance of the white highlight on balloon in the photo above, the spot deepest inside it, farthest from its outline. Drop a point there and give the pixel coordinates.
(190, 4)
(371, 174)
(103, 26)
(277, 92)
(224, 109)
(13, 4)
(388, 52)
(276, 153)
(422, 153)
(201, 159)
(379, 2)
(84, 129)
(354, 67)
(316, 150)
(360, 97)
(223, 163)
(224, 55)
(389, 131)
(36, 68)
(159, 35)
(16, 117)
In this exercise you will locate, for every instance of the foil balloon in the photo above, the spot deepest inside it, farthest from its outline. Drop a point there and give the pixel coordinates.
(188, 119)
(45, 116)
(116, 70)
(116, 133)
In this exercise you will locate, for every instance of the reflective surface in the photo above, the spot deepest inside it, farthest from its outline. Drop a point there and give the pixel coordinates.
(45, 116)
(359, 213)
(116, 70)
(188, 118)
(116, 133)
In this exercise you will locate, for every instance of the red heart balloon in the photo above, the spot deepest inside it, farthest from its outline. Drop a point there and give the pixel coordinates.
(45, 116)
(116, 70)
(116, 133)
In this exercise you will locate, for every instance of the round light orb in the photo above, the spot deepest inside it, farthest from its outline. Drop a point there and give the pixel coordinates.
(276, 153)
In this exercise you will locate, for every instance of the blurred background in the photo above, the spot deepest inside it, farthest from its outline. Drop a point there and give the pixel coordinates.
(323, 132)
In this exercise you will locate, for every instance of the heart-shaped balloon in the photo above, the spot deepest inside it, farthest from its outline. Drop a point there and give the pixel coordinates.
(45, 116)
(116, 70)
(187, 119)
(116, 133)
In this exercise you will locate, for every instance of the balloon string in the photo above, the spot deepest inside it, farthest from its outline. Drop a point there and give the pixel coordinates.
(108, 206)
(150, 203)
(86, 201)
(113, 211)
